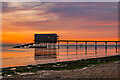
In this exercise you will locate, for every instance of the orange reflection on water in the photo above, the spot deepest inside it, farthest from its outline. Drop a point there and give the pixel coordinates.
(45, 55)
(27, 56)
(17, 57)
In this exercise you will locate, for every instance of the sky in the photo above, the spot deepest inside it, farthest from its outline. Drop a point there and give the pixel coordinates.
(60, 0)
(70, 20)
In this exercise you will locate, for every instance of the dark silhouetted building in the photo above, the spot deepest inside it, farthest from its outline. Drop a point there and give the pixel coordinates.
(46, 38)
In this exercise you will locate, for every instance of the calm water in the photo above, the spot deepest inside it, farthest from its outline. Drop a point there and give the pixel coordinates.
(25, 56)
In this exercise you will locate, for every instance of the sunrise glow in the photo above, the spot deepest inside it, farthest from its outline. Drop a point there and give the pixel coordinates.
(77, 21)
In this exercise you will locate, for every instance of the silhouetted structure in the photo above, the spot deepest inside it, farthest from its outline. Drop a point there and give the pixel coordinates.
(45, 40)
(50, 40)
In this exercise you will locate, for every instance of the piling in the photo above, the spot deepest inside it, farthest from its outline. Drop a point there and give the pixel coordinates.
(76, 45)
(67, 44)
(116, 47)
(105, 45)
(85, 45)
(95, 45)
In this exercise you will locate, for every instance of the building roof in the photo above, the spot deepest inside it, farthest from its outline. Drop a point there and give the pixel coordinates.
(46, 35)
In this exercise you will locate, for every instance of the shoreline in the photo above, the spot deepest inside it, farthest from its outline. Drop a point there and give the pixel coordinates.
(58, 62)
(108, 70)
(66, 65)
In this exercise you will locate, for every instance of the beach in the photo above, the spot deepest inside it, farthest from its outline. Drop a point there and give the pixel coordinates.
(107, 70)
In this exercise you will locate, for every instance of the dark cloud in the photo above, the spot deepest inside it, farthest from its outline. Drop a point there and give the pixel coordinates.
(69, 13)
(92, 11)
(6, 9)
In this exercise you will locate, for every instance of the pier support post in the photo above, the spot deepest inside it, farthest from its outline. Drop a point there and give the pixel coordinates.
(85, 45)
(105, 45)
(67, 44)
(116, 47)
(49, 45)
(76, 45)
(35, 44)
(95, 47)
(46, 44)
(39, 44)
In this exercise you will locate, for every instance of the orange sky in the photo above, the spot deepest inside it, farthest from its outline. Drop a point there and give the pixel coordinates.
(86, 21)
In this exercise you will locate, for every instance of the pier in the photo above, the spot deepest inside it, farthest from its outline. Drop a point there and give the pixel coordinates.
(67, 41)
(23, 45)
(51, 40)
(86, 43)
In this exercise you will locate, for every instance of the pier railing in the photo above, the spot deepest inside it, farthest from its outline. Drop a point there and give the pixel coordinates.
(84, 41)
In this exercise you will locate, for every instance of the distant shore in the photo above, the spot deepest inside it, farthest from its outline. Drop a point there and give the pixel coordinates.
(59, 66)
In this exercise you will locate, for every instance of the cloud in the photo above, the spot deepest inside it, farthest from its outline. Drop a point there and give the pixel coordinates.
(91, 11)
(68, 20)
(21, 13)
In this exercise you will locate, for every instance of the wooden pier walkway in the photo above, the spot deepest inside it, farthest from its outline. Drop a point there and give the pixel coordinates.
(23, 45)
(76, 41)
(86, 41)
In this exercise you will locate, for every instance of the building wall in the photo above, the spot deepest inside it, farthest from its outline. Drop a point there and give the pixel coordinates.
(44, 38)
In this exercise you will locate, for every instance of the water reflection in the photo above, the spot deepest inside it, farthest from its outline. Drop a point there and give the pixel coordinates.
(116, 49)
(86, 50)
(26, 56)
(45, 54)
(53, 53)
(76, 51)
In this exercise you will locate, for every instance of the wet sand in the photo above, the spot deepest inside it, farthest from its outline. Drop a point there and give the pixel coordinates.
(107, 70)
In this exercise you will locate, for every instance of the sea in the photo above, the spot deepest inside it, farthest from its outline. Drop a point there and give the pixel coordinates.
(31, 56)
